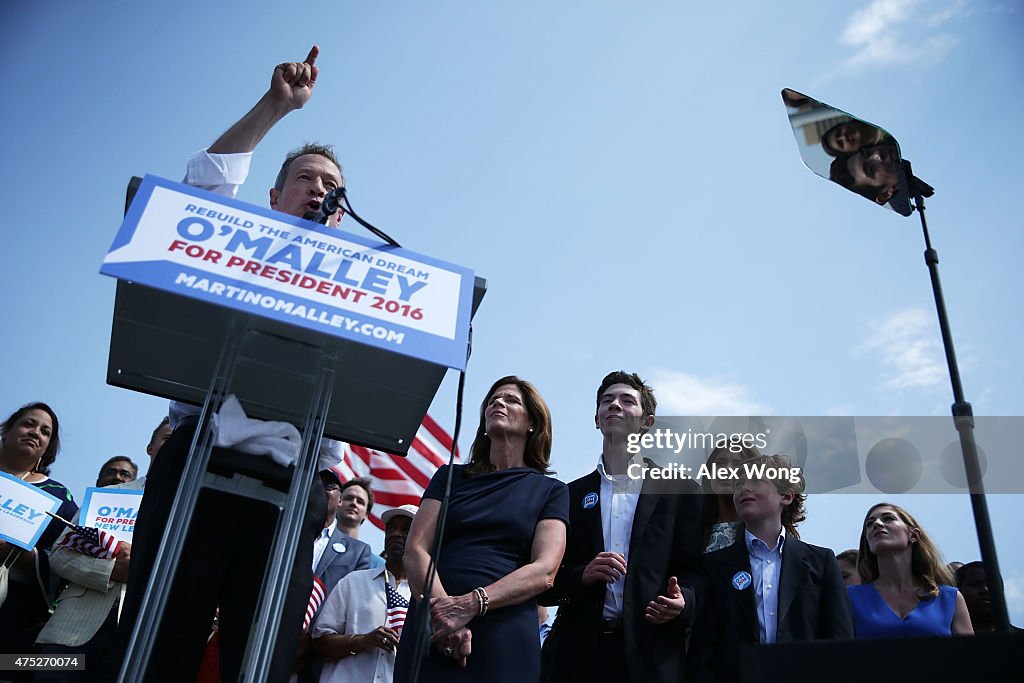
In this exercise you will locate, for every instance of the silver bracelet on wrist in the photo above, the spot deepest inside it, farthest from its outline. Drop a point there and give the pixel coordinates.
(482, 600)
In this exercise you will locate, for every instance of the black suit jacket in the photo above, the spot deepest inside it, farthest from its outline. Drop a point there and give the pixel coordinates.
(666, 541)
(812, 606)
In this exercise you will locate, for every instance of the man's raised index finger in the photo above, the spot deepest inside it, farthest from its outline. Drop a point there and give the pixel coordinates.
(314, 52)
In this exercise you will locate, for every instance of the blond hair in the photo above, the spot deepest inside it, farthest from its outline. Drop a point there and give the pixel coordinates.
(926, 563)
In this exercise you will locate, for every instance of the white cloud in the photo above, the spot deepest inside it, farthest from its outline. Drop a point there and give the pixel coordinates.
(680, 393)
(872, 23)
(895, 32)
(908, 342)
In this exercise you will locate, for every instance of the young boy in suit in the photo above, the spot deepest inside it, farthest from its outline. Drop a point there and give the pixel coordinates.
(769, 586)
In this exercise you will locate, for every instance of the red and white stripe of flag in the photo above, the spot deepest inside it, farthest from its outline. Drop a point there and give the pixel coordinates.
(397, 607)
(91, 541)
(316, 598)
(398, 480)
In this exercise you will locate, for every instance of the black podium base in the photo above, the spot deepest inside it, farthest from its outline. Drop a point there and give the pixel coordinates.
(986, 657)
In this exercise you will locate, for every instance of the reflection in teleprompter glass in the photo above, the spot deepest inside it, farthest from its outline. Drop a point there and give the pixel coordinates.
(888, 455)
(856, 154)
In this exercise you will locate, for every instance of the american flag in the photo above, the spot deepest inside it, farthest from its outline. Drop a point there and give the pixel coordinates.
(397, 607)
(91, 541)
(397, 480)
(316, 598)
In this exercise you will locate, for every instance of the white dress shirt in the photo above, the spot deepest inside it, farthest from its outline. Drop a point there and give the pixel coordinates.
(320, 544)
(619, 494)
(765, 568)
(357, 605)
(222, 174)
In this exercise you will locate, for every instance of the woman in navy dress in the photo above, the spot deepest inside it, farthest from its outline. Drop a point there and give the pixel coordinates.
(906, 589)
(503, 542)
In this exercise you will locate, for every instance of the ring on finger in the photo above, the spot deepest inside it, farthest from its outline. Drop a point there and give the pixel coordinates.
(448, 652)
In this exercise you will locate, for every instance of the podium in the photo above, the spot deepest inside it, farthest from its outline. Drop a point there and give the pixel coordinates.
(198, 352)
(982, 657)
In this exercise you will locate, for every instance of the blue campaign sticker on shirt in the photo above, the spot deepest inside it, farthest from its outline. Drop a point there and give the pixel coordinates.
(741, 580)
(589, 500)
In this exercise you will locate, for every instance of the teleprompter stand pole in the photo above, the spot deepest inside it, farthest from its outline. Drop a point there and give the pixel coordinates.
(963, 418)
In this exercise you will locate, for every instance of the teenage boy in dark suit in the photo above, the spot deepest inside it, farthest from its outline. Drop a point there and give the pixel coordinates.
(630, 580)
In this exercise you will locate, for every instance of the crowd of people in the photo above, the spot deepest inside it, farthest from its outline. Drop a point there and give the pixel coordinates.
(653, 580)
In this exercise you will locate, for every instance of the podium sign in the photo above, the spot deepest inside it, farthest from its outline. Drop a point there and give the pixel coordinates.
(201, 245)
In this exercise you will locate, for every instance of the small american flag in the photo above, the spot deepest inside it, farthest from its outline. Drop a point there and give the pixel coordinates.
(397, 607)
(316, 598)
(91, 541)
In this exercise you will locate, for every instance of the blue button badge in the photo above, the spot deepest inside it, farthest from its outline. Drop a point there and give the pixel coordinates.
(741, 580)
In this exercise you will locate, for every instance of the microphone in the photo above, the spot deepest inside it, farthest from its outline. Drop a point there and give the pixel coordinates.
(328, 207)
(332, 204)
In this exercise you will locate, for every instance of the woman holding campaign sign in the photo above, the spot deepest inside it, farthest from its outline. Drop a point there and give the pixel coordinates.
(31, 439)
(504, 539)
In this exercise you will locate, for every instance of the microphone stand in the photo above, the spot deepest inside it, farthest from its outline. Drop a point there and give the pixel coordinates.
(421, 630)
(963, 417)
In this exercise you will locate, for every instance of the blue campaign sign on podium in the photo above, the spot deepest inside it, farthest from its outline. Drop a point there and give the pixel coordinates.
(191, 242)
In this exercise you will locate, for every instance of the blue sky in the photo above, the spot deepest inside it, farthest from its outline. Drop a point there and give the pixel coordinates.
(626, 182)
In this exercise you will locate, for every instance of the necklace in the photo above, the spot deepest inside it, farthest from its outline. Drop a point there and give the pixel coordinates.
(24, 477)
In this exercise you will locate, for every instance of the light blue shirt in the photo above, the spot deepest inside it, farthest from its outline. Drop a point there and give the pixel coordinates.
(765, 569)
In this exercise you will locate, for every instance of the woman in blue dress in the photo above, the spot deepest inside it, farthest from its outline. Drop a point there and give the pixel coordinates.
(503, 542)
(906, 589)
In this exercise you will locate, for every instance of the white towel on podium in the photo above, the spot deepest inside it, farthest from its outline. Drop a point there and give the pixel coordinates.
(232, 429)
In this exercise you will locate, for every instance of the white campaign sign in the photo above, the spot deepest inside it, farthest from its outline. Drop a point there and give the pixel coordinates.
(189, 241)
(111, 510)
(23, 509)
